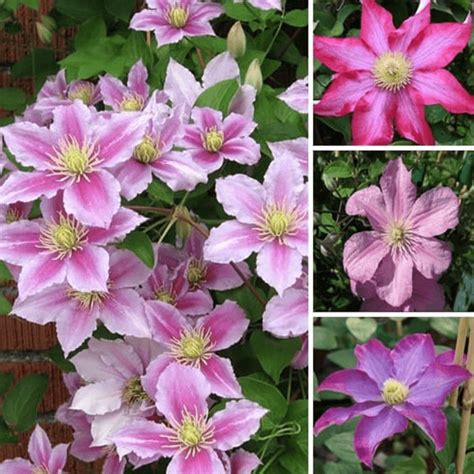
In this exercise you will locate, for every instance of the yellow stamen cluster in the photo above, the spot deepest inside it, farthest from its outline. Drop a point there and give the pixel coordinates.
(165, 295)
(276, 221)
(12, 215)
(177, 16)
(196, 273)
(87, 300)
(132, 103)
(192, 347)
(63, 237)
(134, 393)
(397, 234)
(83, 91)
(394, 392)
(147, 151)
(392, 71)
(213, 139)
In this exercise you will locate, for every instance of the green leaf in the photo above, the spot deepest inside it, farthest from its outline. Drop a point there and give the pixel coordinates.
(4, 272)
(12, 98)
(339, 124)
(14, 4)
(344, 358)
(465, 294)
(6, 436)
(160, 191)
(39, 63)
(219, 96)
(57, 356)
(446, 326)
(465, 175)
(342, 468)
(298, 413)
(245, 299)
(324, 339)
(90, 32)
(5, 306)
(294, 461)
(361, 328)
(121, 9)
(342, 446)
(6, 379)
(446, 455)
(469, 463)
(338, 169)
(140, 244)
(80, 9)
(415, 465)
(21, 403)
(273, 354)
(298, 18)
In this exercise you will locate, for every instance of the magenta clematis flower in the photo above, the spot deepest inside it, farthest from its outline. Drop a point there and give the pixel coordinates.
(76, 313)
(296, 148)
(73, 155)
(195, 345)
(388, 75)
(402, 239)
(210, 139)
(133, 97)
(189, 436)
(271, 219)
(173, 20)
(58, 248)
(155, 156)
(296, 96)
(44, 457)
(391, 388)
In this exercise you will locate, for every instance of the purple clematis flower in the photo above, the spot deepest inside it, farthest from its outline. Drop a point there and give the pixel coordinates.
(210, 139)
(296, 96)
(195, 345)
(76, 313)
(58, 248)
(172, 20)
(402, 238)
(133, 97)
(44, 457)
(391, 388)
(190, 437)
(73, 155)
(271, 219)
(155, 156)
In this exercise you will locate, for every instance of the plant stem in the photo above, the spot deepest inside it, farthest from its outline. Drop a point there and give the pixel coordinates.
(399, 323)
(467, 401)
(458, 354)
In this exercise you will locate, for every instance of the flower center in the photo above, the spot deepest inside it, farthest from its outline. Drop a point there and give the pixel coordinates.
(196, 273)
(177, 16)
(74, 160)
(87, 300)
(190, 433)
(167, 296)
(213, 140)
(12, 215)
(131, 103)
(392, 71)
(394, 392)
(397, 235)
(147, 151)
(134, 393)
(276, 222)
(192, 347)
(63, 237)
(83, 91)
(40, 470)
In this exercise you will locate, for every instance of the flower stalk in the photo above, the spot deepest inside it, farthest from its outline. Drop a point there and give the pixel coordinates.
(458, 354)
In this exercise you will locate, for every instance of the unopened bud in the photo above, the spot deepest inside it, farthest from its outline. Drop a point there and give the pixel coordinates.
(45, 28)
(236, 41)
(327, 244)
(254, 75)
(183, 228)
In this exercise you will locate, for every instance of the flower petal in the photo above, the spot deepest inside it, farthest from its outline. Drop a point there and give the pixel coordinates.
(369, 202)
(194, 303)
(220, 374)
(376, 26)
(223, 277)
(127, 270)
(203, 462)
(16, 466)
(374, 359)
(99, 398)
(19, 241)
(88, 269)
(112, 91)
(431, 256)
(137, 79)
(243, 462)
(166, 321)
(236, 423)
(39, 447)
(72, 121)
(220, 68)
(153, 373)
(181, 85)
(134, 177)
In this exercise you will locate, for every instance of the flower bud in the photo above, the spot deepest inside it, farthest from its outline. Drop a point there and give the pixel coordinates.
(254, 75)
(183, 229)
(236, 41)
(45, 28)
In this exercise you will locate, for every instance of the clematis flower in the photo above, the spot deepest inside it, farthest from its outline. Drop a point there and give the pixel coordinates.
(300, 360)
(387, 75)
(210, 139)
(296, 96)
(44, 457)
(243, 462)
(58, 248)
(195, 345)
(402, 238)
(73, 155)
(133, 97)
(155, 156)
(296, 148)
(76, 313)
(271, 219)
(172, 20)
(391, 388)
(189, 436)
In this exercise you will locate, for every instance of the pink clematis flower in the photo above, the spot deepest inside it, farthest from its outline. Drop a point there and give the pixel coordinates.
(73, 155)
(271, 219)
(243, 462)
(76, 313)
(210, 139)
(133, 97)
(155, 156)
(58, 248)
(296, 148)
(190, 437)
(195, 345)
(388, 75)
(173, 20)
(296, 96)
(44, 457)
(391, 388)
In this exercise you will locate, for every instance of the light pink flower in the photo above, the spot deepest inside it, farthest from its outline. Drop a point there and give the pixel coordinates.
(300, 361)
(402, 238)
(210, 139)
(296, 96)
(73, 155)
(387, 75)
(173, 20)
(190, 437)
(44, 457)
(196, 344)
(58, 248)
(76, 313)
(264, 4)
(271, 219)
(155, 156)
(296, 148)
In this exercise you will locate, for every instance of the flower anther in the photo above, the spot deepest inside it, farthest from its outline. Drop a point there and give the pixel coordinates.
(392, 71)
(394, 392)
